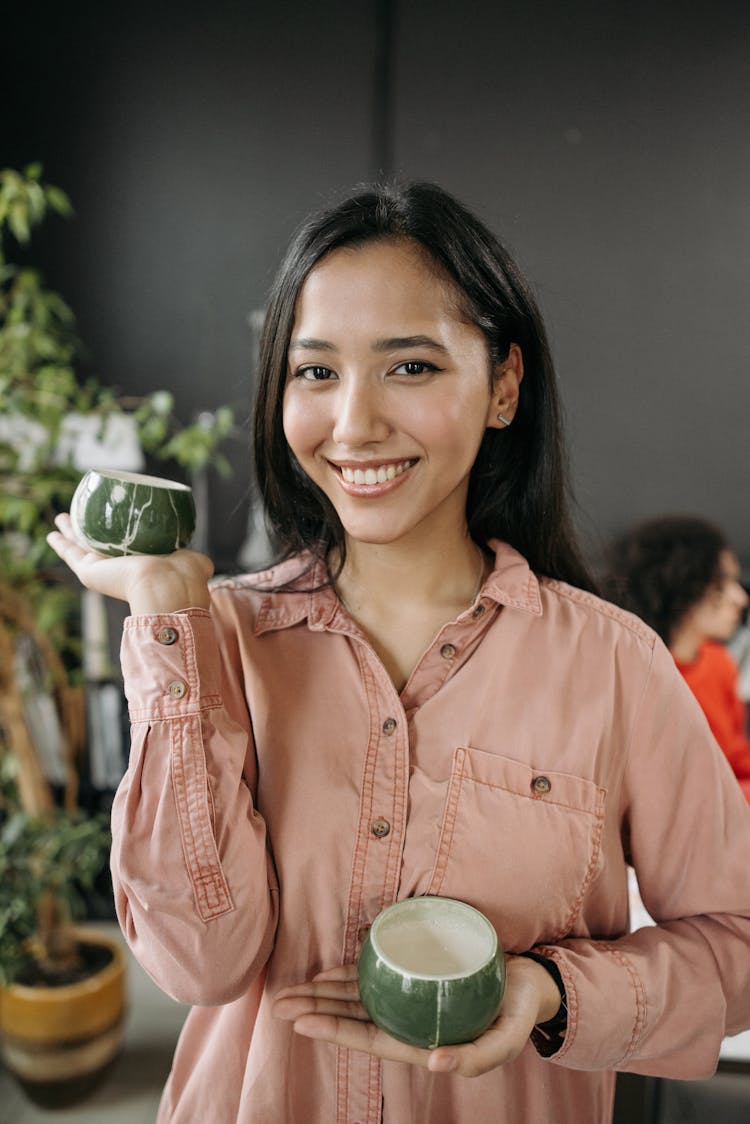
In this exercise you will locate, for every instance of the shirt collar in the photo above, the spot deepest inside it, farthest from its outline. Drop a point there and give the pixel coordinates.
(306, 595)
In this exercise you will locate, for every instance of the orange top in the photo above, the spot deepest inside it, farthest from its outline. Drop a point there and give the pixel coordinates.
(712, 678)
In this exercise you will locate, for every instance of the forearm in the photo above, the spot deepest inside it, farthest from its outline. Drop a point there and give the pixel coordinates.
(654, 1002)
(194, 883)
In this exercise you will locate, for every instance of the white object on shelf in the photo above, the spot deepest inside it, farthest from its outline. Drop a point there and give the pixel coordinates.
(87, 441)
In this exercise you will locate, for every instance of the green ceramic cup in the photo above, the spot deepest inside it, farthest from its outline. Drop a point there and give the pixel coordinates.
(127, 513)
(431, 972)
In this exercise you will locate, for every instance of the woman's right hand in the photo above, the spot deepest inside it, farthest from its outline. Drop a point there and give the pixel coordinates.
(151, 583)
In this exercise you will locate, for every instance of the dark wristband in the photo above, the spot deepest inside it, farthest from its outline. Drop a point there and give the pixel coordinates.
(545, 1036)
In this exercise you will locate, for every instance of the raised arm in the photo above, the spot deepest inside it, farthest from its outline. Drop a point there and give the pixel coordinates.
(195, 888)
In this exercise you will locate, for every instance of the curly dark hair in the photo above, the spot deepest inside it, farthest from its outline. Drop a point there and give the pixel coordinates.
(663, 567)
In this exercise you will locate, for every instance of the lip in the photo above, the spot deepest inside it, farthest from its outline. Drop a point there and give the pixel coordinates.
(380, 488)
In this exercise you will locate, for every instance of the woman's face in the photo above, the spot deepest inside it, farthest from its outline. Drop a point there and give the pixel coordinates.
(389, 392)
(718, 613)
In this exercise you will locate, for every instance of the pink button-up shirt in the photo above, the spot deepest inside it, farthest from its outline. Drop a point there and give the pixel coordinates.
(281, 791)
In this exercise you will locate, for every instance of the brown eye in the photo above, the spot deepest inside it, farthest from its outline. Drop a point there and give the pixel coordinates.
(414, 367)
(314, 373)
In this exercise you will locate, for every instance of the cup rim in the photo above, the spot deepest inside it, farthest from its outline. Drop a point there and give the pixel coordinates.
(427, 904)
(139, 478)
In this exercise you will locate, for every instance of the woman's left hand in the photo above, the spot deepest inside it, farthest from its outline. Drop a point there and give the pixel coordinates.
(329, 1008)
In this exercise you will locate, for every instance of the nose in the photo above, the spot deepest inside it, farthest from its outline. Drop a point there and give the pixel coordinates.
(740, 595)
(360, 417)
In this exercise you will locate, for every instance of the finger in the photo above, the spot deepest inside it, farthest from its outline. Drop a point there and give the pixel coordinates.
(64, 524)
(363, 1036)
(345, 990)
(328, 996)
(342, 972)
(67, 548)
(492, 1049)
(294, 1006)
(503, 1042)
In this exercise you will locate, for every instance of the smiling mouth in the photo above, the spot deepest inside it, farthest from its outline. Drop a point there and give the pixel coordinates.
(377, 474)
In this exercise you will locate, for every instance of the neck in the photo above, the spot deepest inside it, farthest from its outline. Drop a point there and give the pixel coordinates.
(398, 577)
(685, 645)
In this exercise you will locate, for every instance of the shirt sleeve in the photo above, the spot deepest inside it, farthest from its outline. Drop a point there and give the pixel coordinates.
(195, 887)
(660, 1000)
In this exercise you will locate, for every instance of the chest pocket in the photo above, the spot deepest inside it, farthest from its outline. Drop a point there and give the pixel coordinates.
(520, 844)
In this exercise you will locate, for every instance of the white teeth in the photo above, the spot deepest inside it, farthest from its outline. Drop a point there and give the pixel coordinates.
(378, 475)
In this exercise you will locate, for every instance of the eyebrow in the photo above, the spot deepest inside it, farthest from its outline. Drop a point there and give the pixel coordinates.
(394, 343)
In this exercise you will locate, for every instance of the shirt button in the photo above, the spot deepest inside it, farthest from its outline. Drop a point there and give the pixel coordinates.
(380, 827)
(166, 635)
(448, 651)
(478, 612)
(541, 785)
(389, 725)
(177, 689)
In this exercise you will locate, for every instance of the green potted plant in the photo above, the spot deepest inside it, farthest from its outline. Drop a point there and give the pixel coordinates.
(61, 988)
(63, 993)
(46, 407)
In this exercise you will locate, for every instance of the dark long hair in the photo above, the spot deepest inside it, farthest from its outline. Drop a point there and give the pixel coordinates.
(661, 568)
(518, 487)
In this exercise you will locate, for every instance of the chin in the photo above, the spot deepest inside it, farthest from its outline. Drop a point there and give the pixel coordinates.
(372, 538)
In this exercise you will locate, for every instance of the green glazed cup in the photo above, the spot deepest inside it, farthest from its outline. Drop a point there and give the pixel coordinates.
(119, 513)
(431, 972)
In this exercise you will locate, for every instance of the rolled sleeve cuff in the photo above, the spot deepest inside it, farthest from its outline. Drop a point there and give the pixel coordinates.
(606, 1008)
(170, 665)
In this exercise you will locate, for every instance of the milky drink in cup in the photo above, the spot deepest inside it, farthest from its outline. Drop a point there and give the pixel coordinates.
(431, 972)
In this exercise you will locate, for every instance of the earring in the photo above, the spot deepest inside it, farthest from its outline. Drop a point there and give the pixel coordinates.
(504, 420)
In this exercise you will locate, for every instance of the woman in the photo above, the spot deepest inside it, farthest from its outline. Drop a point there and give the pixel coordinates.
(680, 575)
(414, 702)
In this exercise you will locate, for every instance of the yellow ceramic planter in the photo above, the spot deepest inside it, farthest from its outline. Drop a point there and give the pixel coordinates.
(57, 1041)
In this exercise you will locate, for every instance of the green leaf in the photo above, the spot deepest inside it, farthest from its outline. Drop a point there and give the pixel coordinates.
(58, 200)
(161, 402)
(224, 420)
(37, 203)
(222, 466)
(18, 220)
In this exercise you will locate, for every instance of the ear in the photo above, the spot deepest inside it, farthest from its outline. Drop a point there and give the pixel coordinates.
(506, 384)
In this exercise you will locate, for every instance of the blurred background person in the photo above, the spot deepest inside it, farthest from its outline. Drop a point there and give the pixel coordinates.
(679, 574)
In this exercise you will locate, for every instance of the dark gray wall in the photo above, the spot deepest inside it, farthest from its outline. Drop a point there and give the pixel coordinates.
(605, 142)
(192, 138)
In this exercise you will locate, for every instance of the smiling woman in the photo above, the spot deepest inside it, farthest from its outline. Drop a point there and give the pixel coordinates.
(390, 426)
(423, 698)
